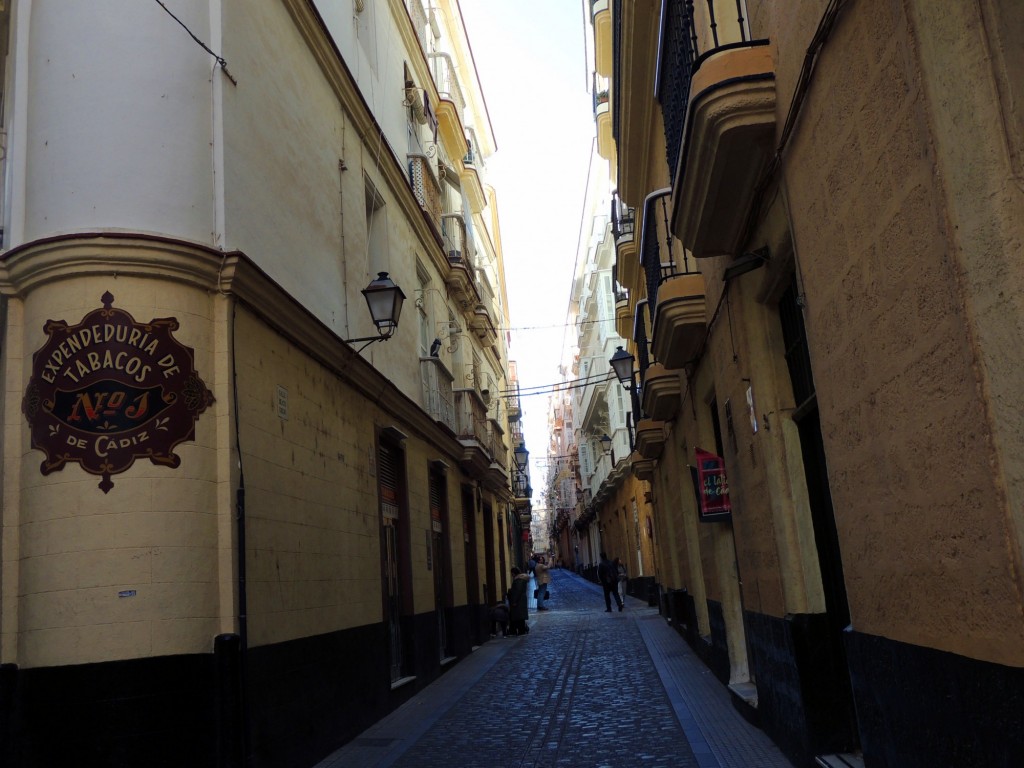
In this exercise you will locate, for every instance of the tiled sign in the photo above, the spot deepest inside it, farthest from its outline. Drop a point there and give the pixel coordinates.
(110, 390)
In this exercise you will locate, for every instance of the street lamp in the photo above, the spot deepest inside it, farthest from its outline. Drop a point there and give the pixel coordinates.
(384, 300)
(606, 444)
(622, 364)
(521, 457)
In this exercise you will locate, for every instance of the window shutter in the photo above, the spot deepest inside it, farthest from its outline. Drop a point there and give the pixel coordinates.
(387, 477)
(436, 501)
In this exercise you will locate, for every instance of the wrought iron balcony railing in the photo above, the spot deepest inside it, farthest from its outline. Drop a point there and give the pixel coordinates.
(691, 32)
(457, 246)
(425, 186)
(658, 248)
(438, 397)
(623, 219)
(447, 82)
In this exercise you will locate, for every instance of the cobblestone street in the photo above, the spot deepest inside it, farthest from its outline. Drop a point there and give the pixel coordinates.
(585, 689)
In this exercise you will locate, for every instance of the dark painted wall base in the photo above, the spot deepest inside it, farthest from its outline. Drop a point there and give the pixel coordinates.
(915, 707)
(305, 699)
(919, 707)
(716, 655)
(804, 700)
(119, 714)
(310, 696)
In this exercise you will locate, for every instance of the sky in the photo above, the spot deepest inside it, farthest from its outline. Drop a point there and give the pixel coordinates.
(534, 73)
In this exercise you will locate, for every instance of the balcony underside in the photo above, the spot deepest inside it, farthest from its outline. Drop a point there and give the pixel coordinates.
(602, 19)
(727, 145)
(475, 460)
(460, 284)
(663, 392)
(469, 179)
(605, 142)
(680, 321)
(643, 469)
(449, 124)
(623, 318)
(650, 438)
(481, 324)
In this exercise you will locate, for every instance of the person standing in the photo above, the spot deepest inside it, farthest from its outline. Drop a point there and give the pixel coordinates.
(622, 578)
(518, 610)
(543, 578)
(608, 575)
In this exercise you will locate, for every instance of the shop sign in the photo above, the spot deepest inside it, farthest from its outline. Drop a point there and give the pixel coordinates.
(110, 390)
(712, 487)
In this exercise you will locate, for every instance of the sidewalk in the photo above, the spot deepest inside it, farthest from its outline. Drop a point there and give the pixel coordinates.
(584, 689)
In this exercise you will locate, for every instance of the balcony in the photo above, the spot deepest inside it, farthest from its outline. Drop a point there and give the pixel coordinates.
(470, 177)
(603, 118)
(438, 398)
(419, 21)
(457, 247)
(425, 187)
(623, 220)
(482, 324)
(643, 469)
(471, 429)
(623, 315)
(521, 489)
(601, 16)
(496, 443)
(452, 107)
(663, 392)
(680, 320)
(514, 409)
(461, 257)
(650, 438)
(718, 102)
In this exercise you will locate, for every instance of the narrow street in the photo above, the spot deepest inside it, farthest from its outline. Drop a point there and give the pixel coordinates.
(585, 688)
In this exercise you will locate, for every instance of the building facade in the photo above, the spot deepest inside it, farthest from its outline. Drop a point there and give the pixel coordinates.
(227, 511)
(610, 505)
(824, 331)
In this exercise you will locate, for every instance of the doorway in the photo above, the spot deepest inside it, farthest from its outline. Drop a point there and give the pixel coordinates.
(837, 730)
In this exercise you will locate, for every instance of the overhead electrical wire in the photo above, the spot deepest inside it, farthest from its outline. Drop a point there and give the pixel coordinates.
(543, 389)
(555, 325)
(219, 59)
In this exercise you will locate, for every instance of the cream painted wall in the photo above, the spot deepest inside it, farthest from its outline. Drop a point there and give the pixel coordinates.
(69, 549)
(913, 452)
(116, 121)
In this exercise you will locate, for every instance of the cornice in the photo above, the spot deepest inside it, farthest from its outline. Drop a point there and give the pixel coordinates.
(58, 258)
(232, 274)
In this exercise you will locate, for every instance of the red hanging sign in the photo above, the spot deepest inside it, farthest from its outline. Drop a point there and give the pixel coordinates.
(712, 487)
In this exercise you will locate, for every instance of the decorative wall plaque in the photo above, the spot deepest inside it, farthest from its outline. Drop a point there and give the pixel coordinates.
(109, 390)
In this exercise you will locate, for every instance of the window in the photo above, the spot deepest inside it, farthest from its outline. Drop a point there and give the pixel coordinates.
(366, 30)
(376, 232)
(423, 311)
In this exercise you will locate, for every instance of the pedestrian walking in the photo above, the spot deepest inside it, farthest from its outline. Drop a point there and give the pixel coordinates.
(543, 578)
(623, 578)
(608, 575)
(518, 610)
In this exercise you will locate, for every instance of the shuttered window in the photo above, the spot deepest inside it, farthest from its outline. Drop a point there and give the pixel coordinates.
(436, 501)
(387, 476)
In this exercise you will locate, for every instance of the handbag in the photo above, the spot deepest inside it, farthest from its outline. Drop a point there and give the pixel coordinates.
(535, 593)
